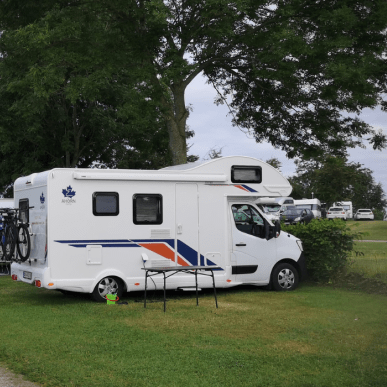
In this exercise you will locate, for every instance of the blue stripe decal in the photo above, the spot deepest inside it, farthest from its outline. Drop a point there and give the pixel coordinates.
(107, 245)
(95, 241)
(248, 188)
(188, 253)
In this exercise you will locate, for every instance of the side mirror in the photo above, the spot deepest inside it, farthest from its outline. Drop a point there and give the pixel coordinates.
(272, 231)
(277, 229)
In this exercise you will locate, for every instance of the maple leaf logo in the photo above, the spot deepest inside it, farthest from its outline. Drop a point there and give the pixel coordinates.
(68, 192)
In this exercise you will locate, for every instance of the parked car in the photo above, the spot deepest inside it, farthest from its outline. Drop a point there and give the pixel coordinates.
(364, 214)
(337, 212)
(293, 216)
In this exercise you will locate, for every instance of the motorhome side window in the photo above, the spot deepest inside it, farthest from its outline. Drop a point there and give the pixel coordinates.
(24, 210)
(243, 174)
(105, 203)
(248, 220)
(147, 209)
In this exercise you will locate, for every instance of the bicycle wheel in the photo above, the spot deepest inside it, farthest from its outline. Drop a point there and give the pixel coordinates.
(10, 241)
(2, 249)
(23, 243)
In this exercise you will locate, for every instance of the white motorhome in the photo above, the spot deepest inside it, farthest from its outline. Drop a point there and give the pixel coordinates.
(347, 205)
(91, 229)
(309, 204)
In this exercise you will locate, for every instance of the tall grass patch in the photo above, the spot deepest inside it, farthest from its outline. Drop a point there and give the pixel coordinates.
(311, 337)
(370, 259)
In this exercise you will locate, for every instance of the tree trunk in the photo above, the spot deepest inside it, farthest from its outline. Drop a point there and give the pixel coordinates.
(176, 121)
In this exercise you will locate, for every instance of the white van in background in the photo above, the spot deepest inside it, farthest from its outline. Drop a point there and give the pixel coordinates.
(284, 202)
(310, 204)
(7, 203)
(347, 207)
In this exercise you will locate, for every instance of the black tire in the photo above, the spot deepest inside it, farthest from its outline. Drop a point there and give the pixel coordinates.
(10, 242)
(2, 249)
(23, 242)
(284, 277)
(107, 285)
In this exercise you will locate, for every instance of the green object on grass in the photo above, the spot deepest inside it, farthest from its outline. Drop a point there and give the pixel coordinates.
(111, 299)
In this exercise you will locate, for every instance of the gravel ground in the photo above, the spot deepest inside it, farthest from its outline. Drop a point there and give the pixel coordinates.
(9, 379)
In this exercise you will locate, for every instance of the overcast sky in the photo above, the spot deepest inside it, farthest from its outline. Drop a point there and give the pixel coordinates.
(212, 126)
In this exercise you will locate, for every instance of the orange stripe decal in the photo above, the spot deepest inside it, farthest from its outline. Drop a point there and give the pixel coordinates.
(239, 186)
(163, 250)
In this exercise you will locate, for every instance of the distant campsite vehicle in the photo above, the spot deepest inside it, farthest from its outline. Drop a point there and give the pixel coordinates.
(7, 203)
(310, 204)
(336, 212)
(296, 215)
(364, 214)
(93, 230)
(347, 205)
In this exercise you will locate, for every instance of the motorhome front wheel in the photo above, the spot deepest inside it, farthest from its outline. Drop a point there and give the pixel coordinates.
(107, 285)
(285, 277)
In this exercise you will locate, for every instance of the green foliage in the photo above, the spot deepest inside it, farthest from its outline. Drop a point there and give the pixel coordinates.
(89, 75)
(378, 214)
(274, 162)
(73, 90)
(334, 179)
(327, 246)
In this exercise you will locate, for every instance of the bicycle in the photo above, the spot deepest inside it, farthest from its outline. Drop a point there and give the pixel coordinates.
(15, 233)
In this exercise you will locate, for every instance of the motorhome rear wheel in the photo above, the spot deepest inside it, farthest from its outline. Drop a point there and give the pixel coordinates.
(107, 285)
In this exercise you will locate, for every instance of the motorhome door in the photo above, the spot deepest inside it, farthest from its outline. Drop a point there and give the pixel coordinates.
(252, 254)
(187, 224)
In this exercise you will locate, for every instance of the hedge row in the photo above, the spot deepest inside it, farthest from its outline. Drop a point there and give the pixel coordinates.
(327, 246)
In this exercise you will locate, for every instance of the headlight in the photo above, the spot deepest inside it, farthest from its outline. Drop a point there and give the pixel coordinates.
(299, 243)
(297, 219)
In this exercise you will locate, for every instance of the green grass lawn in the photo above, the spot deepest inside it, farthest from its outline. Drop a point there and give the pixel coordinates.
(370, 259)
(314, 336)
(374, 230)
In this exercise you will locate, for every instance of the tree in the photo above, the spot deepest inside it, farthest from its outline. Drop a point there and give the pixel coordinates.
(214, 153)
(287, 69)
(72, 91)
(334, 179)
(274, 162)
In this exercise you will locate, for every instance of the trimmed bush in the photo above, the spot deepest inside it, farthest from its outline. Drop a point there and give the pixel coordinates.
(379, 215)
(327, 246)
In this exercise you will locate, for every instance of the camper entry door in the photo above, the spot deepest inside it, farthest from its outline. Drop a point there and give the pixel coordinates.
(187, 224)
